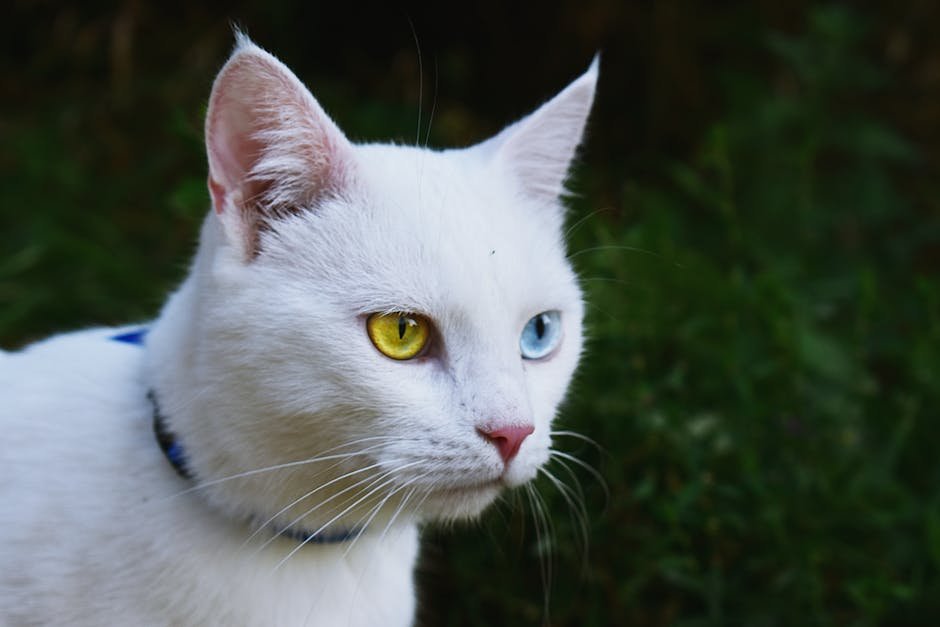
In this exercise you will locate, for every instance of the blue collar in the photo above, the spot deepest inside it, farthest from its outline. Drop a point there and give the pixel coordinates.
(170, 446)
(176, 455)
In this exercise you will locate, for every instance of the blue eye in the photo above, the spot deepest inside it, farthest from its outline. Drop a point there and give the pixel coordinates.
(541, 335)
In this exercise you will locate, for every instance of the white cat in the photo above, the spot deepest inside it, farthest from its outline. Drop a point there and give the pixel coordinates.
(371, 336)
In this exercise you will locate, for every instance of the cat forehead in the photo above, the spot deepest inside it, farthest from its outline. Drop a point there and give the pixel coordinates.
(458, 196)
(431, 230)
(463, 186)
(460, 209)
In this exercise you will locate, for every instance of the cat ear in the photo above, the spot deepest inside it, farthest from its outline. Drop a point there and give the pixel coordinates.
(539, 148)
(272, 149)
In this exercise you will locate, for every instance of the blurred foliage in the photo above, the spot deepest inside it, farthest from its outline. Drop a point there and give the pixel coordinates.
(776, 363)
(758, 235)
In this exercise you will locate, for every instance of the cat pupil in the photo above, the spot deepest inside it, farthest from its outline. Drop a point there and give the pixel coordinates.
(540, 326)
(401, 327)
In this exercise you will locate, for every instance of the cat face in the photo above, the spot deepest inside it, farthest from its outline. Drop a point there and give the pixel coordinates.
(313, 240)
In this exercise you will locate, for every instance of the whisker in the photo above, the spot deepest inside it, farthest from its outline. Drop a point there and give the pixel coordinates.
(367, 482)
(334, 519)
(414, 34)
(310, 460)
(573, 227)
(597, 476)
(427, 137)
(182, 404)
(576, 510)
(579, 436)
(633, 249)
(603, 311)
(401, 508)
(391, 521)
(309, 494)
(573, 475)
(378, 508)
(428, 491)
(363, 528)
(603, 279)
(543, 543)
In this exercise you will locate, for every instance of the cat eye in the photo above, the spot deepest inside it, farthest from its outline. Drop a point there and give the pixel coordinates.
(541, 335)
(399, 335)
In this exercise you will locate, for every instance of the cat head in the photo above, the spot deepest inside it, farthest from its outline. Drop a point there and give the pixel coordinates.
(404, 318)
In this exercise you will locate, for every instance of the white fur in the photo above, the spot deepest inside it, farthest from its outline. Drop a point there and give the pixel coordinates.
(261, 358)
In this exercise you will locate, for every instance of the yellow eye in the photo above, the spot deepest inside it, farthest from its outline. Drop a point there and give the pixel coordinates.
(398, 335)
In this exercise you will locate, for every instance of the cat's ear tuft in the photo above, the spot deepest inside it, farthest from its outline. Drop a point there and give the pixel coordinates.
(539, 148)
(272, 149)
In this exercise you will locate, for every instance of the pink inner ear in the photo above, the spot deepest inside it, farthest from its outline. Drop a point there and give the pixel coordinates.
(234, 149)
(272, 150)
(232, 142)
(218, 195)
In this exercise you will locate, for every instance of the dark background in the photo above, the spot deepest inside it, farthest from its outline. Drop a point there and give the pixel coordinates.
(757, 222)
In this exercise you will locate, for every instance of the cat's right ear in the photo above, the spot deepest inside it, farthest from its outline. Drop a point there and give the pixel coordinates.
(272, 149)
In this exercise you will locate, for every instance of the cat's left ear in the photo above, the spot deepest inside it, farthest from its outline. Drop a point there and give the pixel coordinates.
(539, 148)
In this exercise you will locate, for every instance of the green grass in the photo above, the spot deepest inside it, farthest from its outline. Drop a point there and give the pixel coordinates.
(764, 354)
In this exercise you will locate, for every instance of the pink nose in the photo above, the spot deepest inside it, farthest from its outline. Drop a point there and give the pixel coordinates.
(507, 439)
